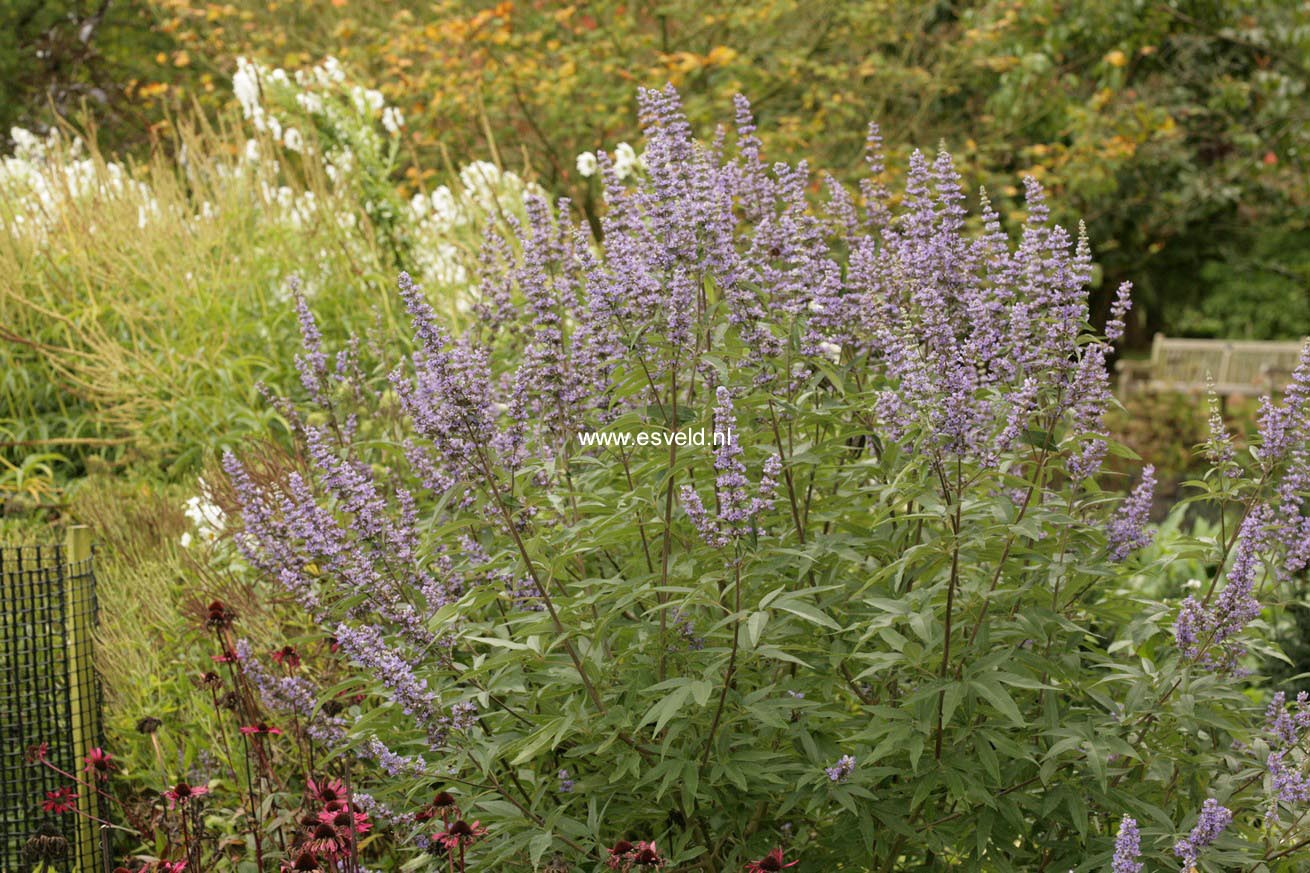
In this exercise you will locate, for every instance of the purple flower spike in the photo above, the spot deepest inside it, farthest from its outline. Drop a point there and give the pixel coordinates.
(842, 770)
(1127, 848)
(1209, 825)
(1127, 530)
(737, 510)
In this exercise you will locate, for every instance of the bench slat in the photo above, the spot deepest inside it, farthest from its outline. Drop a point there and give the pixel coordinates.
(1246, 367)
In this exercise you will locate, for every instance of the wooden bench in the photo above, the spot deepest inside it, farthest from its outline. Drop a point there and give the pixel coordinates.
(1242, 367)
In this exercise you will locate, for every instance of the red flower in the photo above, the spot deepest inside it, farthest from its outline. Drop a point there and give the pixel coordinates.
(288, 657)
(38, 753)
(210, 680)
(647, 856)
(228, 657)
(461, 833)
(305, 862)
(99, 763)
(344, 819)
(171, 867)
(621, 853)
(769, 863)
(325, 840)
(345, 695)
(326, 792)
(219, 616)
(625, 855)
(60, 800)
(260, 729)
(183, 793)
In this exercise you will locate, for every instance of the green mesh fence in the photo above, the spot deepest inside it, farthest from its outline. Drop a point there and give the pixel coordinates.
(49, 706)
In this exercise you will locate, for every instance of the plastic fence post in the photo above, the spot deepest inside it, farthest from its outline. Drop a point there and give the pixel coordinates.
(79, 613)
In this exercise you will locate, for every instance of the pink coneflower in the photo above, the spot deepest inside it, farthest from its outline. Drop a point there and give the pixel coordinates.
(99, 763)
(182, 793)
(461, 834)
(60, 800)
(770, 862)
(45, 846)
(171, 867)
(646, 855)
(324, 839)
(210, 681)
(260, 730)
(306, 862)
(326, 792)
(218, 616)
(38, 753)
(620, 854)
(288, 657)
(444, 800)
(345, 817)
(443, 805)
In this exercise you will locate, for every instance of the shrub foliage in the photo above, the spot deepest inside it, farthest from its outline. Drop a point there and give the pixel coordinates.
(883, 623)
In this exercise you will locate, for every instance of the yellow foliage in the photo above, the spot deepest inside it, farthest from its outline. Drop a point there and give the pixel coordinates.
(721, 55)
(1001, 64)
(545, 81)
(1118, 147)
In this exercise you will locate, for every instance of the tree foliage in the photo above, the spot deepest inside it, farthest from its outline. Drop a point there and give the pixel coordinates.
(1176, 130)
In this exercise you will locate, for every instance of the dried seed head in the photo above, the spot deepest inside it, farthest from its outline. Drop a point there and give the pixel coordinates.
(46, 845)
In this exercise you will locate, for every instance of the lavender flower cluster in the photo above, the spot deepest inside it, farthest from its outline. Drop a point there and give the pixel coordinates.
(1212, 822)
(980, 341)
(1127, 529)
(842, 770)
(1288, 729)
(1273, 539)
(737, 509)
(1127, 848)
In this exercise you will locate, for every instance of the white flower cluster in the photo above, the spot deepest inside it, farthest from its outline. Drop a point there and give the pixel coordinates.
(484, 189)
(208, 519)
(283, 111)
(627, 163)
(320, 97)
(43, 175)
(43, 172)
